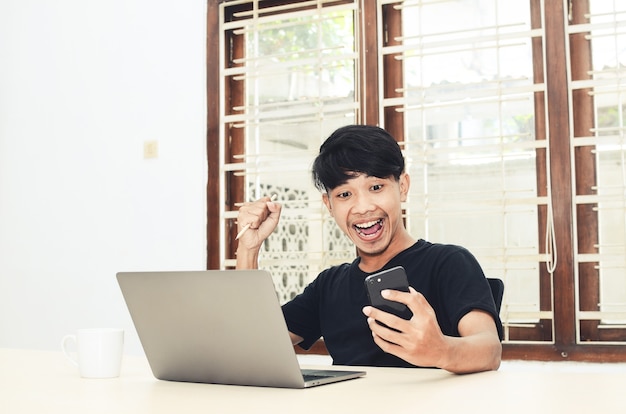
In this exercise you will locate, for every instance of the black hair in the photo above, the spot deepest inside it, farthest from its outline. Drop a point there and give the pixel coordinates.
(351, 149)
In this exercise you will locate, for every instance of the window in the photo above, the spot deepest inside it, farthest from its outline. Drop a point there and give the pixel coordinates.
(464, 108)
(596, 85)
(511, 120)
(293, 69)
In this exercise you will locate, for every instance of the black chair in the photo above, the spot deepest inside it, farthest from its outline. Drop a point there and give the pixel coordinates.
(497, 290)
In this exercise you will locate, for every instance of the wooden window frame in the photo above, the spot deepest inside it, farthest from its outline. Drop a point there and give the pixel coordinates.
(564, 345)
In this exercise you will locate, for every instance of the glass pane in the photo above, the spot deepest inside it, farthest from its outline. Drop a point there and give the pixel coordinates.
(605, 83)
(468, 102)
(298, 74)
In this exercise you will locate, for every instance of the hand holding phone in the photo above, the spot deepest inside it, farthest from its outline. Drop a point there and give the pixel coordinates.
(394, 279)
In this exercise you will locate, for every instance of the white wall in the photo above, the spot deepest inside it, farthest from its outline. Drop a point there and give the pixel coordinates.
(83, 83)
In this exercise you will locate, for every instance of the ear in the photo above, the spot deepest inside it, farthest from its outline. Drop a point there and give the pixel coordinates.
(326, 201)
(405, 183)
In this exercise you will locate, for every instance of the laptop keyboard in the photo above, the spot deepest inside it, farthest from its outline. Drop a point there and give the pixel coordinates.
(313, 377)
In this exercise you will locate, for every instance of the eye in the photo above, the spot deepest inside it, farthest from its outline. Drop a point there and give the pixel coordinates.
(377, 187)
(343, 194)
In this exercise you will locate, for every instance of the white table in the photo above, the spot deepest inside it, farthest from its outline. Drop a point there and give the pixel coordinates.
(44, 382)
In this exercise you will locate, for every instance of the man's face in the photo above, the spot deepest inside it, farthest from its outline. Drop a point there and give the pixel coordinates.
(368, 210)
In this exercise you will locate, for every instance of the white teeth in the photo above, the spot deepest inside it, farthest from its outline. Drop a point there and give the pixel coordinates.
(366, 225)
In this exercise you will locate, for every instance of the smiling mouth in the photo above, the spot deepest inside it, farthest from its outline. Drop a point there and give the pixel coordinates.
(369, 228)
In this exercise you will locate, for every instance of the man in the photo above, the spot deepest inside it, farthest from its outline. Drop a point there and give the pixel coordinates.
(455, 326)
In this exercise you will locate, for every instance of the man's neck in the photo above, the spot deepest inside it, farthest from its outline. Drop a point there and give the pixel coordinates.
(373, 262)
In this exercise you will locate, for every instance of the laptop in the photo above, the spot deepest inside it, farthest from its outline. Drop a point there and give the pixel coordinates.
(218, 327)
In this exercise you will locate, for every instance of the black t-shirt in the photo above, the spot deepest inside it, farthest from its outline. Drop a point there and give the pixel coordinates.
(331, 306)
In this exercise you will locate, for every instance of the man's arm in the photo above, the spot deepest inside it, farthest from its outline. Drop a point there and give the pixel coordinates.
(421, 342)
(262, 217)
(479, 347)
(295, 339)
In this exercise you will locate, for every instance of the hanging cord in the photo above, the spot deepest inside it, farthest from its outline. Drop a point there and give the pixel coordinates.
(550, 238)
(550, 233)
(551, 246)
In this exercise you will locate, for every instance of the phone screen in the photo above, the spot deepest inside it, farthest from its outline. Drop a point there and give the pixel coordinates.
(395, 279)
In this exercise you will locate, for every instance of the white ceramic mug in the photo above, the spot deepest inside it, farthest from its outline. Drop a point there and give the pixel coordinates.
(99, 351)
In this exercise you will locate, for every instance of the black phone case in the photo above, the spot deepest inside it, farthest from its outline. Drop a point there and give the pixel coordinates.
(395, 279)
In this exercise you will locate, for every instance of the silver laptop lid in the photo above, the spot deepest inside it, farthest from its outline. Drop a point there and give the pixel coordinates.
(215, 326)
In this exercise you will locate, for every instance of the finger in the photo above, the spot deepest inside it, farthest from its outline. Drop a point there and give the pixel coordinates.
(388, 345)
(391, 323)
(385, 334)
(254, 213)
(415, 301)
(262, 216)
(273, 207)
(398, 295)
(271, 220)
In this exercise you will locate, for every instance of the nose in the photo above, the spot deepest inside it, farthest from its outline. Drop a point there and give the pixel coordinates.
(363, 203)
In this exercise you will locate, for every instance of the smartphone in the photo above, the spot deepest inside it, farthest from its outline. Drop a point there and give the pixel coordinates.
(394, 279)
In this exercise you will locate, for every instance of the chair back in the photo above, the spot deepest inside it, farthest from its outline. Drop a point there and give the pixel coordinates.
(497, 290)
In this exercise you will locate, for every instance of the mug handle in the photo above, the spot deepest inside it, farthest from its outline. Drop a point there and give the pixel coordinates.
(64, 342)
